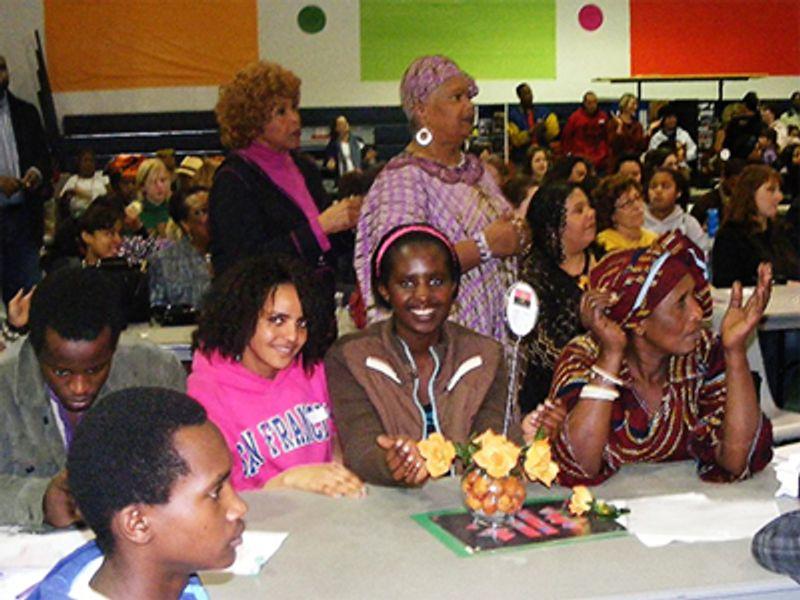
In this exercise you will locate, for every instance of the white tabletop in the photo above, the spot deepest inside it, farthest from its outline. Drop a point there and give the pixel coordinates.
(783, 310)
(371, 548)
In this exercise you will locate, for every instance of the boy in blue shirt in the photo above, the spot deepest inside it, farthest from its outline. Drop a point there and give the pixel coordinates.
(150, 475)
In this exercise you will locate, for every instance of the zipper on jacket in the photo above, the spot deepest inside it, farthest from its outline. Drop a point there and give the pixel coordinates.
(415, 396)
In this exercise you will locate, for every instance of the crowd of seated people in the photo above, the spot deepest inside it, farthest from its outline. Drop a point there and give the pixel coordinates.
(620, 367)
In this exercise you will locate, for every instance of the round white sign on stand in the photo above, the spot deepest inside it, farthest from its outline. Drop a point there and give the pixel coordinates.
(522, 308)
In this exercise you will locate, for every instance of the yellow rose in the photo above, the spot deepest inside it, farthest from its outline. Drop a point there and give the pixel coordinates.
(438, 454)
(489, 438)
(539, 464)
(497, 456)
(581, 500)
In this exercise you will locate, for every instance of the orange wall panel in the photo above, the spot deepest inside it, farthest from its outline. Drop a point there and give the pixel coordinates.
(709, 37)
(118, 44)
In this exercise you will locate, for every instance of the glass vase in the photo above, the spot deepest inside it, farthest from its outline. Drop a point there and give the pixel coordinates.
(492, 500)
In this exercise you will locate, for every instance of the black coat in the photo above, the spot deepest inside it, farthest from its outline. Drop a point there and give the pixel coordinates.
(33, 152)
(250, 215)
(738, 250)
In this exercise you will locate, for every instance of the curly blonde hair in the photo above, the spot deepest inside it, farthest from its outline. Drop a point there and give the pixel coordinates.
(245, 104)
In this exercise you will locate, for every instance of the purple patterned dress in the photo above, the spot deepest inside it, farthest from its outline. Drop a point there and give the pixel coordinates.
(460, 201)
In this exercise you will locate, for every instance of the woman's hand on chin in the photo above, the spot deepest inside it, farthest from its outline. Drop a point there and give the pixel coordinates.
(740, 320)
(404, 459)
(331, 479)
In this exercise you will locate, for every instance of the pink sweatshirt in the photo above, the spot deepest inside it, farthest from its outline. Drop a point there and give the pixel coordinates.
(270, 425)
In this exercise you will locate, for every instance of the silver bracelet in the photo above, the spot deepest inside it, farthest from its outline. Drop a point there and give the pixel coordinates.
(606, 376)
(483, 247)
(595, 392)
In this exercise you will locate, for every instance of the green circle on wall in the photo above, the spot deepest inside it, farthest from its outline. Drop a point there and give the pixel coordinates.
(311, 19)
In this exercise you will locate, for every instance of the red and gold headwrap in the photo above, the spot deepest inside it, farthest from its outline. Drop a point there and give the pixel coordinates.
(641, 278)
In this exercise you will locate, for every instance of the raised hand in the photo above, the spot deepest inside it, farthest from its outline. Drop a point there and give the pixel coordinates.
(19, 308)
(740, 320)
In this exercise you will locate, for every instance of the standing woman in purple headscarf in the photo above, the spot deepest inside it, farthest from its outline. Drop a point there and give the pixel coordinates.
(434, 181)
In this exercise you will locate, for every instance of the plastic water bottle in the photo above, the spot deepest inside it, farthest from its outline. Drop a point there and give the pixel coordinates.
(712, 221)
(712, 226)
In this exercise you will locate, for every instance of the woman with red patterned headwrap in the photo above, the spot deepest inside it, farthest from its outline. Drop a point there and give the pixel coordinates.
(650, 382)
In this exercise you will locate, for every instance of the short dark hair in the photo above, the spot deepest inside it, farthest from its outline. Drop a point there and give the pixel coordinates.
(123, 453)
(383, 258)
(178, 209)
(230, 310)
(681, 183)
(78, 304)
(628, 158)
(750, 100)
(99, 215)
(562, 168)
(668, 110)
(655, 158)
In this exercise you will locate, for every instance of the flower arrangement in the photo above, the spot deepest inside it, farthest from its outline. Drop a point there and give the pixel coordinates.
(494, 469)
(493, 453)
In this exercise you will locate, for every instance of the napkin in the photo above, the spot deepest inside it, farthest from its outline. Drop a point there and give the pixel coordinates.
(787, 470)
(256, 549)
(25, 558)
(694, 517)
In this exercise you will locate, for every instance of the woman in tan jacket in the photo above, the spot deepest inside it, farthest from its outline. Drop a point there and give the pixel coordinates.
(416, 373)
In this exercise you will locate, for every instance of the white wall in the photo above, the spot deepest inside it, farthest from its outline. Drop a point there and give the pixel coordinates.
(329, 63)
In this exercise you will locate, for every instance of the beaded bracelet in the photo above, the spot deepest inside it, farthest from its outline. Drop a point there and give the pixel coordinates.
(483, 247)
(11, 333)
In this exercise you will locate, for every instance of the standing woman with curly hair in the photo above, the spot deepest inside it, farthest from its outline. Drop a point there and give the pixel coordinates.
(266, 197)
(257, 369)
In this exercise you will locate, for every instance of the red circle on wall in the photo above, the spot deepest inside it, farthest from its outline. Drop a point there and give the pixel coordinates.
(590, 17)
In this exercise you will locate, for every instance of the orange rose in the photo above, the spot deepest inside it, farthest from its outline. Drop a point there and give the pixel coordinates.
(438, 454)
(497, 455)
(539, 464)
(581, 500)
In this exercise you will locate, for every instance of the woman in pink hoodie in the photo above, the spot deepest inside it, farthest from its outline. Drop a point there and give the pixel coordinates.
(258, 371)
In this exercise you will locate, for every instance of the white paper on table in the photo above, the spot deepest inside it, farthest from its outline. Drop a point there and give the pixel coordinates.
(16, 581)
(25, 558)
(787, 470)
(694, 517)
(38, 550)
(256, 549)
